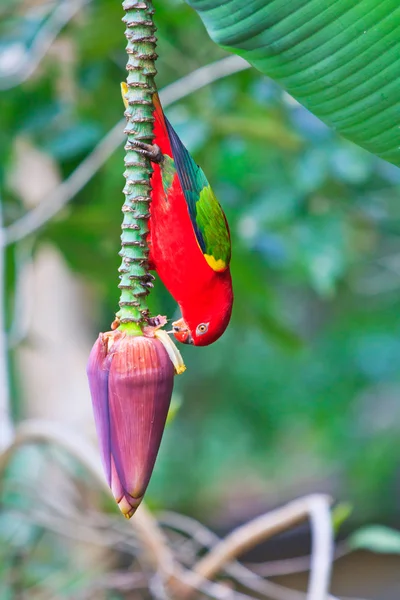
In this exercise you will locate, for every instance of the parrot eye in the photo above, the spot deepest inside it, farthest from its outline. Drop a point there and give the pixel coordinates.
(202, 328)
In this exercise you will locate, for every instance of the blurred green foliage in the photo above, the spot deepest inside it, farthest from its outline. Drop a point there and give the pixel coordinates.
(376, 538)
(302, 391)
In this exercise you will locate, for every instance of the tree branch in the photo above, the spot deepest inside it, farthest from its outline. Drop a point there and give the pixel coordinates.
(290, 566)
(322, 547)
(237, 571)
(249, 535)
(202, 77)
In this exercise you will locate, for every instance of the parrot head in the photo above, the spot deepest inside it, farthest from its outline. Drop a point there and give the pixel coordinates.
(199, 334)
(206, 309)
(203, 322)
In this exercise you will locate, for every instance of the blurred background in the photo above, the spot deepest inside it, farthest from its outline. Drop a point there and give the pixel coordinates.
(301, 393)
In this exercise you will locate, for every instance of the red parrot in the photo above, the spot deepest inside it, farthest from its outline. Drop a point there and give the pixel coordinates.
(189, 239)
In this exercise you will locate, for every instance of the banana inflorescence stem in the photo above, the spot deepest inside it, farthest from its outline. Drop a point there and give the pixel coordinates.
(136, 280)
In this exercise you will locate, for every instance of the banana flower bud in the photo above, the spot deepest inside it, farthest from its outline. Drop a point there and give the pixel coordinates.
(131, 379)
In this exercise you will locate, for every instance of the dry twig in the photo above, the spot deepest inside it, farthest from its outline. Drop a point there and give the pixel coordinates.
(249, 535)
(248, 579)
(290, 566)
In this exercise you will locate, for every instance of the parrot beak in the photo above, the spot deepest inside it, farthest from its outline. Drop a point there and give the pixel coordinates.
(181, 332)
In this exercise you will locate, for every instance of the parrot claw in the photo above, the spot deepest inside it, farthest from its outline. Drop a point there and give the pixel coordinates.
(151, 152)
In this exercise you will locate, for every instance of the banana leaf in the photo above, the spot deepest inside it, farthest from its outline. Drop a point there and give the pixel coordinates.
(339, 58)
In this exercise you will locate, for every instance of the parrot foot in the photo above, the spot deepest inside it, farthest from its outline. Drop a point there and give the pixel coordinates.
(151, 152)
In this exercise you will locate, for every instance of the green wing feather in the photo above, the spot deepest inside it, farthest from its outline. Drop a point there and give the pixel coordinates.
(208, 218)
(212, 223)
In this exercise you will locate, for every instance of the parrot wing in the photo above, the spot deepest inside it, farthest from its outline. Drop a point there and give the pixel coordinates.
(207, 217)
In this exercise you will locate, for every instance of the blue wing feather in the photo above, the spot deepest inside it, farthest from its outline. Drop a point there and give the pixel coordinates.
(191, 178)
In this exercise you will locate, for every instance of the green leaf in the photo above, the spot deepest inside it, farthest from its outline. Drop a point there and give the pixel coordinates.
(340, 514)
(176, 403)
(376, 538)
(339, 59)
